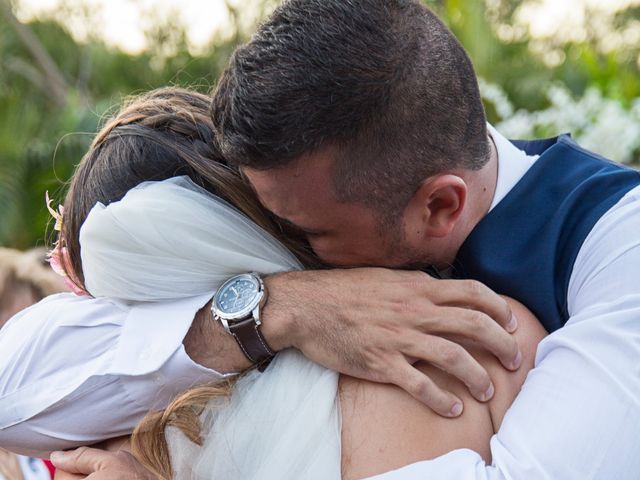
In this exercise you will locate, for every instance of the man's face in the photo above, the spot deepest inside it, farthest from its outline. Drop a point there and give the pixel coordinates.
(342, 234)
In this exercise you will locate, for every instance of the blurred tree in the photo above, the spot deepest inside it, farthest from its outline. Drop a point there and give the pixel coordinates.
(55, 89)
(54, 92)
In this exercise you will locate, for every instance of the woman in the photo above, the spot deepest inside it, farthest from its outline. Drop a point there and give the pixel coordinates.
(153, 213)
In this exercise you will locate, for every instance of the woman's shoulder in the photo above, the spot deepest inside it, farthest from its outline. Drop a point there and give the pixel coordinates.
(385, 428)
(507, 383)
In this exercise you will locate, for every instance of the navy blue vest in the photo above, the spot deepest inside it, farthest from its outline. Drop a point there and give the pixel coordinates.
(526, 246)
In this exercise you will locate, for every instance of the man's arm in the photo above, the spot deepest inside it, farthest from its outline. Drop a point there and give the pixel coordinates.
(76, 371)
(373, 323)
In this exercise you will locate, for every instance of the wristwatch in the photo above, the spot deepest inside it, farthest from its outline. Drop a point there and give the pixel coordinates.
(236, 305)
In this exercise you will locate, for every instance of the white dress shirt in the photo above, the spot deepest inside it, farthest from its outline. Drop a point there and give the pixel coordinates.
(70, 354)
(578, 415)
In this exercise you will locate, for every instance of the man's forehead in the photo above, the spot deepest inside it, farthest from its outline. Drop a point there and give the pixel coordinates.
(303, 195)
(308, 178)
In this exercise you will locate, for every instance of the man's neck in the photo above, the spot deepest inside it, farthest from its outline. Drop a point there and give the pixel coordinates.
(481, 188)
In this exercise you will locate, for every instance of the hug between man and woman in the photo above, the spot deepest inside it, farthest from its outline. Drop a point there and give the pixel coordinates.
(340, 200)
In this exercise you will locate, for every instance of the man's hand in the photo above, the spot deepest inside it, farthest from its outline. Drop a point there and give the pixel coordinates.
(95, 464)
(374, 323)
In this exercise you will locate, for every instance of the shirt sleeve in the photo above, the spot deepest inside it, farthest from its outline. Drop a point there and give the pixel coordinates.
(78, 370)
(578, 413)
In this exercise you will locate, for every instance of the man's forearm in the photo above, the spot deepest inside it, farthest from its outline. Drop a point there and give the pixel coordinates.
(367, 322)
(209, 345)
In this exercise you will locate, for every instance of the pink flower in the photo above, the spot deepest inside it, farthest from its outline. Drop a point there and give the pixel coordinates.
(59, 260)
(59, 256)
(55, 260)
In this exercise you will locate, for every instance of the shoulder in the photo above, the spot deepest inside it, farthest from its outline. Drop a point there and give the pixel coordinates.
(608, 263)
(529, 334)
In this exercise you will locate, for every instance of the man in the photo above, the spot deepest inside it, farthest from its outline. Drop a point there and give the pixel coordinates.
(360, 123)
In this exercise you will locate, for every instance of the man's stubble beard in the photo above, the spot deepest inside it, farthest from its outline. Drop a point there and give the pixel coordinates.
(405, 255)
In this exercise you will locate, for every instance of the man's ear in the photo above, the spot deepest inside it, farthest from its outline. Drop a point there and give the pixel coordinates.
(438, 204)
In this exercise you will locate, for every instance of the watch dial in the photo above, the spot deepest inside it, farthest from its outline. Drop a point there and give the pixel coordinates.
(237, 295)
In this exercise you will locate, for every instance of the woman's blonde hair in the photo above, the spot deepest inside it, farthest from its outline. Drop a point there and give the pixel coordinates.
(149, 443)
(155, 136)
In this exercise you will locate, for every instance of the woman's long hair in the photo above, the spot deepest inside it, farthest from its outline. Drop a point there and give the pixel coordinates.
(155, 136)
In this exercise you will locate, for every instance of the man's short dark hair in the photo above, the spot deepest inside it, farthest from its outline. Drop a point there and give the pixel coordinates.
(383, 82)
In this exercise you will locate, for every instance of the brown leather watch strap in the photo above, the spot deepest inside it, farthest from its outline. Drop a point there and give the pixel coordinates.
(254, 346)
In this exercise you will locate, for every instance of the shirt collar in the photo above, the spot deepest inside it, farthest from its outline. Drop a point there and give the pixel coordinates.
(513, 164)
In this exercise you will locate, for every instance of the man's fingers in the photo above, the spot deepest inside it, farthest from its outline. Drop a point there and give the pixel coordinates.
(479, 327)
(423, 389)
(477, 296)
(455, 360)
(83, 460)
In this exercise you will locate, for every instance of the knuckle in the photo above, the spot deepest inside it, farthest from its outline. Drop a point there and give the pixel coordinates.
(476, 289)
(81, 452)
(374, 361)
(422, 390)
(404, 306)
(417, 281)
(406, 342)
(478, 323)
(451, 354)
(505, 308)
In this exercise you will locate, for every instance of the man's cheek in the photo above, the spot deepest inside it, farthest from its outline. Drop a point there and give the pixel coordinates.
(331, 252)
(337, 256)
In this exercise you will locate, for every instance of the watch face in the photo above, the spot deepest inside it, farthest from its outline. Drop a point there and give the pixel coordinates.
(238, 295)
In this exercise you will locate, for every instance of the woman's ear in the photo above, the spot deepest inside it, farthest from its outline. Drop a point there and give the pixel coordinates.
(437, 205)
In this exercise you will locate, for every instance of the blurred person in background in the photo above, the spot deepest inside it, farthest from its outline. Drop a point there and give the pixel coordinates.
(25, 279)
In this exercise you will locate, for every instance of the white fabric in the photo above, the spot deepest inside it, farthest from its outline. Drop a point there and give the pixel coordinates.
(78, 370)
(172, 239)
(514, 165)
(580, 430)
(280, 424)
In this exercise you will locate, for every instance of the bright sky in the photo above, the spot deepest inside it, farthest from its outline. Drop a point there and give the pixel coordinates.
(122, 22)
(548, 17)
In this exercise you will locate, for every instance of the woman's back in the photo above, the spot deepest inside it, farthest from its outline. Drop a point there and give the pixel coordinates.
(384, 428)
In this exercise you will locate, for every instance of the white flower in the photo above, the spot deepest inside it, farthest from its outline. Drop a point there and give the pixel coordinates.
(599, 124)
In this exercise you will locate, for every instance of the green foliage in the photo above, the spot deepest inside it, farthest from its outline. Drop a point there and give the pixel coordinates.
(42, 139)
(49, 111)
